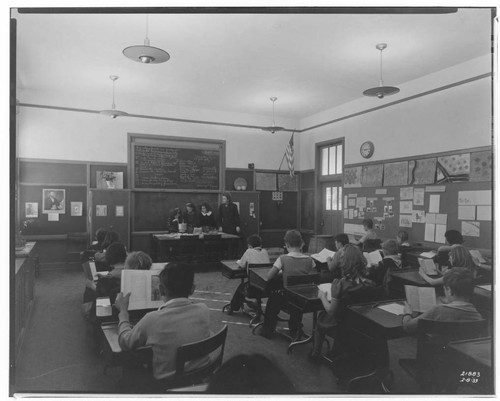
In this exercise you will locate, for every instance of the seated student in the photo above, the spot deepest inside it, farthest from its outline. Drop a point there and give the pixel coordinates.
(179, 321)
(100, 236)
(135, 261)
(353, 271)
(404, 246)
(369, 232)
(380, 274)
(250, 374)
(294, 263)
(334, 264)
(174, 219)
(111, 237)
(254, 254)
(207, 218)
(458, 283)
(459, 256)
(453, 238)
(190, 217)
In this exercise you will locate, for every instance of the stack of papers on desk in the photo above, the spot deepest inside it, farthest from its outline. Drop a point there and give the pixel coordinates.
(428, 255)
(321, 257)
(373, 257)
(476, 255)
(103, 307)
(326, 287)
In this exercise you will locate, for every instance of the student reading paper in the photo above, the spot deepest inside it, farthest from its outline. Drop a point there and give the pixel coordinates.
(458, 288)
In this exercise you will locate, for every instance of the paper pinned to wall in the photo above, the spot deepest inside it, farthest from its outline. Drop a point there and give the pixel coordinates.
(434, 203)
(405, 220)
(440, 230)
(361, 202)
(53, 216)
(406, 207)
(351, 202)
(381, 191)
(351, 214)
(441, 218)
(418, 216)
(406, 193)
(470, 228)
(474, 197)
(467, 212)
(346, 213)
(430, 218)
(418, 196)
(429, 232)
(483, 213)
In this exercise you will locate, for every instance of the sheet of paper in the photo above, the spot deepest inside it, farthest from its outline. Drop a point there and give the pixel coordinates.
(474, 197)
(381, 191)
(373, 257)
(483, 213)
(428, 266)
(418, 216)
(53, 216)
(429, 254)
(420, 299)
(470, 228)
(405, 220)
(476, 255)
(351, 202)
(441, 218)
(361, 202)
(486, 287)
(103, 301)
(434, 203)
(429, 232)
(326, 287)
(466, 212)
(430, 218)
(346, 213)
(440, 230)
(406, 193)
(418, 196)
(405, 207)
(351, 213)
(394, 308)
(143, 286)
(321, 256)
(435, 188)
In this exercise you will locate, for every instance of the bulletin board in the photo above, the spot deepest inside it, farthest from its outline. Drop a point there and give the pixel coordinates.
(437, 193)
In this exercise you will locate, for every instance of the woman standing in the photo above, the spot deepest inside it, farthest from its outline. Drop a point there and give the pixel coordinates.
(229, 217)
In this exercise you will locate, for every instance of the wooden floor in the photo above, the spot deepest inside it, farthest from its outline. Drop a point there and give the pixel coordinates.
(60, 356)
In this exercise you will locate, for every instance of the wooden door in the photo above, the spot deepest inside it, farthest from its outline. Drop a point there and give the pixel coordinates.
(331, 208)
(110, 209)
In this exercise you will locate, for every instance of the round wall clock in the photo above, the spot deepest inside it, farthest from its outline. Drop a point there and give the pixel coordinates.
(367, 148)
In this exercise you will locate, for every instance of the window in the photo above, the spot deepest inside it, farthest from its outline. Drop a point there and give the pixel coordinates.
(333, 198)
(331, 160)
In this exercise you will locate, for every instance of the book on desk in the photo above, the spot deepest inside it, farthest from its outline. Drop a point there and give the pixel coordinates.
(323, 255)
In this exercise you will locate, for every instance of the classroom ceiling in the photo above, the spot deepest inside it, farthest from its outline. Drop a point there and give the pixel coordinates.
(235, 62)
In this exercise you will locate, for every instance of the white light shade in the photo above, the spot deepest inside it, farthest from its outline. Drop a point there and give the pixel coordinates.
(113, 113)
(381, 91)
(146, 54)
(272, 129)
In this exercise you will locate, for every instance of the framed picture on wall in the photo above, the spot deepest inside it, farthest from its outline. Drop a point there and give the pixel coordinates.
(76, 208)
(109, 180)
(54, 201)
(31, 210)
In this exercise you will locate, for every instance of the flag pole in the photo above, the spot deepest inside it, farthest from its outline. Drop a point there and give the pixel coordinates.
(284, 154)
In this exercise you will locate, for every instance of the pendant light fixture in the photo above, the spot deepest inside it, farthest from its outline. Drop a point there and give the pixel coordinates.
(113, 113)
(146, 54)
(273, 128)
(381, 90)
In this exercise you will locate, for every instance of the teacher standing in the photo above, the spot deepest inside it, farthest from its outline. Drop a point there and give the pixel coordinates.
(229, 217)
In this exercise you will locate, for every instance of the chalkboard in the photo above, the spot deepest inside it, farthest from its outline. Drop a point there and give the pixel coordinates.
(151, 209)
(167, 167)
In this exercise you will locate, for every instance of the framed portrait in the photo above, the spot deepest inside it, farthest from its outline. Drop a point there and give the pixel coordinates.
(101, 210)
(76, 208)
(54, 201)
(31, 210)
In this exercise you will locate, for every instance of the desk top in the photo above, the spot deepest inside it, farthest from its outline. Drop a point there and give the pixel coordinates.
(478, 350)
(305, 296)
(25, 251)
(388, 321)
(110, 331)
(231, 269)
(411, 277)
(178, 236)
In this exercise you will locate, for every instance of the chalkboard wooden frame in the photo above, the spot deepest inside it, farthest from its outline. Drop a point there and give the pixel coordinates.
(168, 148)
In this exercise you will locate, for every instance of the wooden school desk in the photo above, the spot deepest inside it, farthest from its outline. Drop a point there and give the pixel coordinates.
(163, 243)
(476, 358)
(231, 270)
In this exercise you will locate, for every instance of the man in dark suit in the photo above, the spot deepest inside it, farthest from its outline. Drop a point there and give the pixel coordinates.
(52, 203)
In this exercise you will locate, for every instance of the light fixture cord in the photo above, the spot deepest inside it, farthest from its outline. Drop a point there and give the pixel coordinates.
(146, 40)
(274, 124)
(113, 105)
(381, 81)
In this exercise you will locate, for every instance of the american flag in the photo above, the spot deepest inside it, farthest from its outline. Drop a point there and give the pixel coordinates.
(289, 155)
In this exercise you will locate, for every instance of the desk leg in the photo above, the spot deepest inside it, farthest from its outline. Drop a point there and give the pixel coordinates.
(308, 339)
